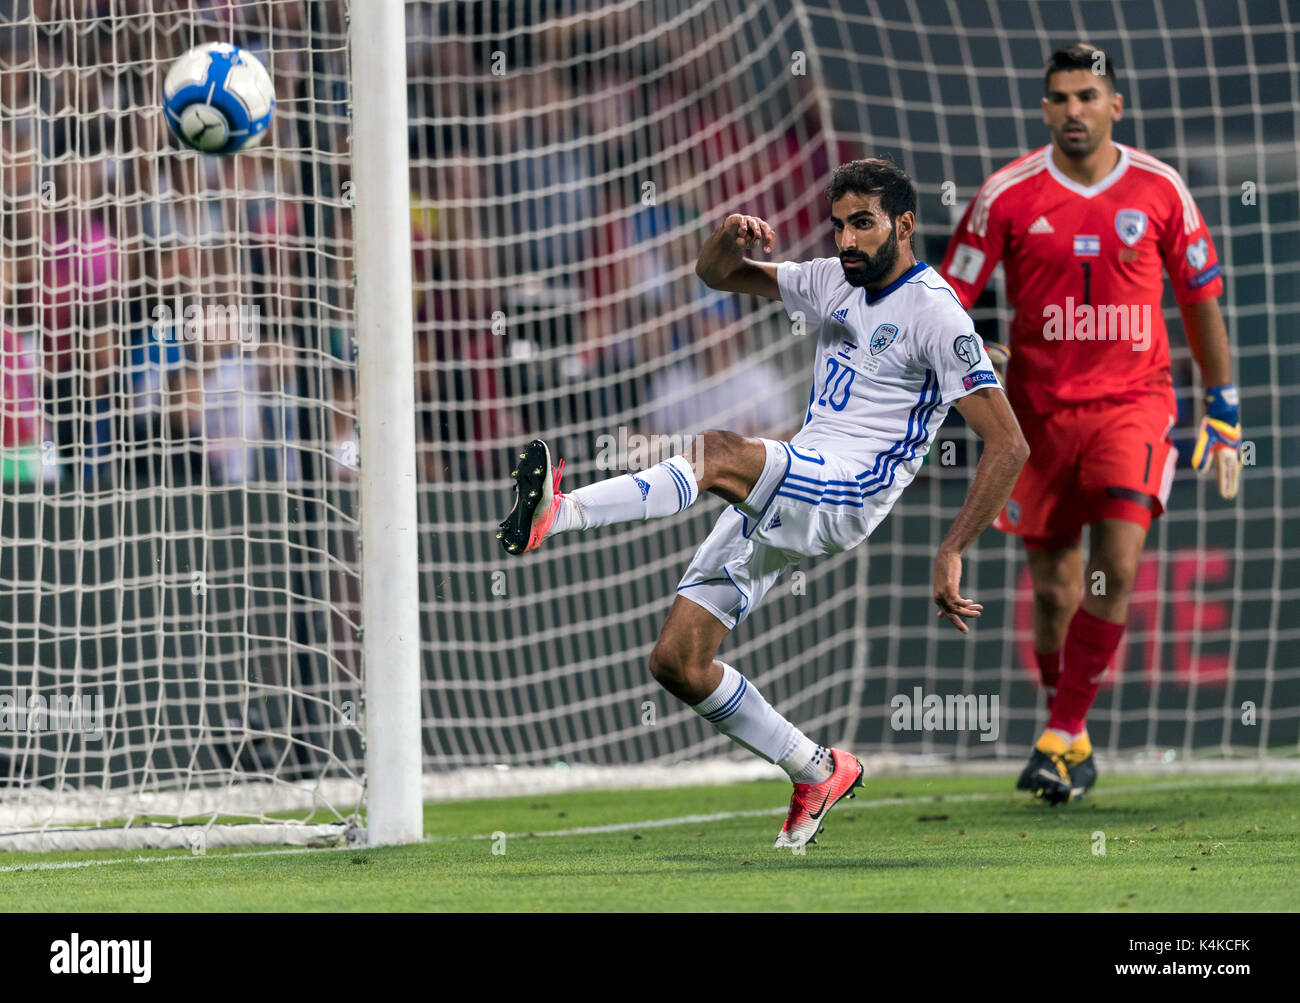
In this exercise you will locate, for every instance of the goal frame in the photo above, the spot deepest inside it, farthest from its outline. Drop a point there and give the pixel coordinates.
(386, 407)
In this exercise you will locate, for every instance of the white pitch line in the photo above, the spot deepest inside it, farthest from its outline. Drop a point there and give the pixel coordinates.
(654, 823)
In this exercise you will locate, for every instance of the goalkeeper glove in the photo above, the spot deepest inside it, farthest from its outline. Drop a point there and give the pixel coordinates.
(1220, 438)
(999, 355)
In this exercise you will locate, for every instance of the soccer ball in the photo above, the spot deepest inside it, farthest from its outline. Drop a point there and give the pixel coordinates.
(218, 98)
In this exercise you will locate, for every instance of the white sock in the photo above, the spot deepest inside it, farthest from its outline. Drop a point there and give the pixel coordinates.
(665, 489)
(737, 709)
(567, 517)
(810, 763)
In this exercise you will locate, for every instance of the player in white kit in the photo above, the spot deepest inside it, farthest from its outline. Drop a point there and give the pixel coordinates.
(894, 350)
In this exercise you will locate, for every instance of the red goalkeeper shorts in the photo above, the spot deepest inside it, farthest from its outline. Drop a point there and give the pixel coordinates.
(1100, 460)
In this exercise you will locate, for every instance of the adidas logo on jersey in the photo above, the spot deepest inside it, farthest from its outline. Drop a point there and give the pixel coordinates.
(644, 486)
(1040, 225)
(839, 315)
(776, 521)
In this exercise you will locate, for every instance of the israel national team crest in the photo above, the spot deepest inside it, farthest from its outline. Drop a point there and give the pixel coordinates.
(883, 337)
(1130, 224)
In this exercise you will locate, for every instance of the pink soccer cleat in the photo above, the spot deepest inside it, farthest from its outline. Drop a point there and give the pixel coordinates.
(537, 499)
(810, 802)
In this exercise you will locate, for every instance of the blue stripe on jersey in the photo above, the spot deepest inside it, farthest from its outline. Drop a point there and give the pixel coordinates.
(818, 491)
(852, 503)
(819, 481)
(877, 471)
(816, 495)
(907, 454)
(881, 475)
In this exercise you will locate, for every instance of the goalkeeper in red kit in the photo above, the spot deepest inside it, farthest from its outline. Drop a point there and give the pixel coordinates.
(1084, 227)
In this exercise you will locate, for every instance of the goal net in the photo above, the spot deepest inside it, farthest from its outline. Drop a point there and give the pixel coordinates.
(573, 159)
(180, 583)
(179, 588)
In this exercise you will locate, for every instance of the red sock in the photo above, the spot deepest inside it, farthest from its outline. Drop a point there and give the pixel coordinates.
(1049, 671)
(1090, 644)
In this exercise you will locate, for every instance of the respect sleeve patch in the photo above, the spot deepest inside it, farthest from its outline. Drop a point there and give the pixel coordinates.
(979, 379)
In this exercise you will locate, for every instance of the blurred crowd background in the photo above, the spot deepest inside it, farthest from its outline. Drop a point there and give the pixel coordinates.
(166, 313)
(548, 287)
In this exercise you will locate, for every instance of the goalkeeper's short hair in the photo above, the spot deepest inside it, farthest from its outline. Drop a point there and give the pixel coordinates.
(1081, 56)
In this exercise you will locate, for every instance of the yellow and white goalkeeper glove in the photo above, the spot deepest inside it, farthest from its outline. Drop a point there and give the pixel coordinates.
(1219, 442)
(999, 355)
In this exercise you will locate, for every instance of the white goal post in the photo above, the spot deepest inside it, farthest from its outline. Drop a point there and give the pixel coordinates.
(386, 370)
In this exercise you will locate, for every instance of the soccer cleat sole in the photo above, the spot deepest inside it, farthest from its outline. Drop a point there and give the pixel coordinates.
(1048, 786)
(1083, 775)
(532, 491)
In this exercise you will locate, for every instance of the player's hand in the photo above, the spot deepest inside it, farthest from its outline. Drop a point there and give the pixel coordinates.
(749, 232)
(1219, 442)
(947, 579)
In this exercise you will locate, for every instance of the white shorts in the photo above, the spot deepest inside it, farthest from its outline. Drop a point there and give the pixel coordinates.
(805, 504)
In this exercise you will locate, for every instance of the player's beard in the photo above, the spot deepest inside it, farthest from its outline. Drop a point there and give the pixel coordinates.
(872, 268)
(1076, 146)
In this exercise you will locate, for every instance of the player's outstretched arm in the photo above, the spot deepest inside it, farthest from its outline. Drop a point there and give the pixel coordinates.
(1005, 452)
(723, 266)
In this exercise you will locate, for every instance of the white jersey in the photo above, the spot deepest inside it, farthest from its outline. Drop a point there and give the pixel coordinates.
(888, 366)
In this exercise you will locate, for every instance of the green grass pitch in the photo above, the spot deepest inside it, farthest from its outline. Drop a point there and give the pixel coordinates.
(907, 843)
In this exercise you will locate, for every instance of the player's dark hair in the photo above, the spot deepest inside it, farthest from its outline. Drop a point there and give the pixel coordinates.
(876, 176)
(1080, 56)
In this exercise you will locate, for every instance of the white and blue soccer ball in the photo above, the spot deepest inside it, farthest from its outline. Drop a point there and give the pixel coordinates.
(218, 98)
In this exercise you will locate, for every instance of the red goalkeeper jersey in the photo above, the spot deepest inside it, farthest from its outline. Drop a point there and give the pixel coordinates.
(1083, 272)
